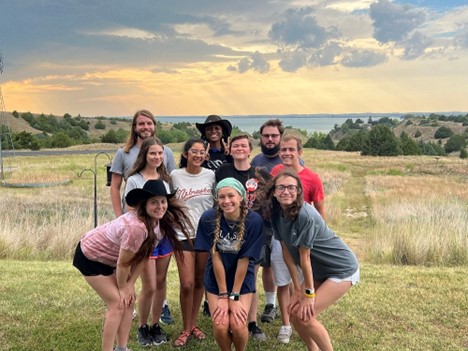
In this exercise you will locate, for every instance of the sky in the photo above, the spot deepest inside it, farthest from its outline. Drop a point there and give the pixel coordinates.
(242, 57)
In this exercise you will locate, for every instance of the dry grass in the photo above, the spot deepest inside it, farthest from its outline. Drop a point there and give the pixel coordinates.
(419, 220)
(405, 210)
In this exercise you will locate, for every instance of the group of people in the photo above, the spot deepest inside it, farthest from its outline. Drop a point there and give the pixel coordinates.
(222, 217)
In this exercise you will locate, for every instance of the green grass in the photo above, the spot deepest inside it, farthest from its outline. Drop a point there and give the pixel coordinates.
(405, 217)
(49, 306)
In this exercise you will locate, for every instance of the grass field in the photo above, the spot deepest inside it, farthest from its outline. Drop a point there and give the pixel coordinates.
(405, 217)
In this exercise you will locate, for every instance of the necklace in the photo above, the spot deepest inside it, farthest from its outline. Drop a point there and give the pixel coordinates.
(231, 224)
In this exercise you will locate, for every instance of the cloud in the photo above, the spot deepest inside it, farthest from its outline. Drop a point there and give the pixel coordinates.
(292, 61)
(363, 58)
(300, 29)
(393, 22)
(416, 45)
(256, 62)
(326, 55)
(461, 40)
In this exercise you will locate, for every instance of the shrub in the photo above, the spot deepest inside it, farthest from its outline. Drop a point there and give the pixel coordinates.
(443, 132)
(463, 154)
(100, 125)
(455, 143)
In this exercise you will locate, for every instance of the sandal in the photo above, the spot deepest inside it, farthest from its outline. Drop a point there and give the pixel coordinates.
(198, 333)
(182, 339)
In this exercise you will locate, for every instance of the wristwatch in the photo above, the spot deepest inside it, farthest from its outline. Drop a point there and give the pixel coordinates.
(234, 296)
(310, 291)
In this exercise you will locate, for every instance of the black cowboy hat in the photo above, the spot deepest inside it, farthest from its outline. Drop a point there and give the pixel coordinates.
(215, 119)
(151, 188)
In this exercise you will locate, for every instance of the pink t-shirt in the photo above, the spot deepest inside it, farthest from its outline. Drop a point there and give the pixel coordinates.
(311, 183)
(103, 244)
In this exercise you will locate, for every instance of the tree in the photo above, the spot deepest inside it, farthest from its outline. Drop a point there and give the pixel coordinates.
(15, 114)
(315, 140)
(25, 140)
(408, 146)
(381, 142)
(326, 143)
(443, 132)
(357, 141)
(60, 140)
(455, 143)
(114, 137)
(417, 134)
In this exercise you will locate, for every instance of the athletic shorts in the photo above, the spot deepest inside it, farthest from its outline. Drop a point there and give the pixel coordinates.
(282, 275)
(265, 257)
(163, 249)
(88, 267)
(187, 245)
(280, 269)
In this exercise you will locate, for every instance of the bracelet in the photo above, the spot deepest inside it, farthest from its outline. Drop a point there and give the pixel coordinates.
(311, 296)
(223, 294)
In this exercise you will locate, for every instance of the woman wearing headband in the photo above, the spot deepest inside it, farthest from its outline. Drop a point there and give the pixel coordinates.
(233, 235)
(111, 256)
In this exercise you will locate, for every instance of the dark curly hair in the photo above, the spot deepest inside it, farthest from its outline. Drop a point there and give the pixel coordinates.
(271, 204)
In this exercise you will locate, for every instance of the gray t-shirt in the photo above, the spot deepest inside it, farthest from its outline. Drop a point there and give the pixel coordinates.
(329, 255)
(123, 162)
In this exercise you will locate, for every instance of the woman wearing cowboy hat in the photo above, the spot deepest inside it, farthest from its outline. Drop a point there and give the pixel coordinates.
(216, 132)
(112, 255)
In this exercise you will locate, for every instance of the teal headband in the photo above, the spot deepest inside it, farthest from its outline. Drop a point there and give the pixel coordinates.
(231, 183)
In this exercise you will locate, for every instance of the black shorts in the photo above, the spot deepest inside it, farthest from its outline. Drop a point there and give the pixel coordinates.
(88, 267)
(265, 256)
(187, 245)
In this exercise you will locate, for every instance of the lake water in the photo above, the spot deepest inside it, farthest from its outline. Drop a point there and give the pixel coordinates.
(311, 123)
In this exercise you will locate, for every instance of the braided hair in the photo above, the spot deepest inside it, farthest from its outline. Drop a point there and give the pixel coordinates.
(240, 226)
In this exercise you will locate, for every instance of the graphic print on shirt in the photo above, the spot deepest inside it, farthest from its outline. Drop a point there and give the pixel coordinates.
(227, 242)
(186, 194)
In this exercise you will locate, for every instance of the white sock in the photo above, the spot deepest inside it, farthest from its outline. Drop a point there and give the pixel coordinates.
(270, 297)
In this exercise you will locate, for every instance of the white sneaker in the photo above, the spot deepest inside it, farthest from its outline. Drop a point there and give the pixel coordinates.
(284, 334)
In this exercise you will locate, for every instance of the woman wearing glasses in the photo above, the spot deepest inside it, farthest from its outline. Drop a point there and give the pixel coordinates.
(321, 265)
(194, 185)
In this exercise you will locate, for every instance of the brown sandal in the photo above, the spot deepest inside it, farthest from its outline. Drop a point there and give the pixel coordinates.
(198, 333)
(182, 339)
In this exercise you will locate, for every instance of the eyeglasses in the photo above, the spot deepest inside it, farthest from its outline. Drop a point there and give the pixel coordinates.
(268, 136)
(281, 188)
(196, 152)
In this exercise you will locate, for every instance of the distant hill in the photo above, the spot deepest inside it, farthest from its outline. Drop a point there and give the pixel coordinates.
(417, 128)
(18, 124)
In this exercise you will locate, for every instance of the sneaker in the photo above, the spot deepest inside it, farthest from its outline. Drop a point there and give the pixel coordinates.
(269, 313)
(206, 309)
(144, 336)
(284, 334)
(159, 336)
(255, 332)
(166, 317)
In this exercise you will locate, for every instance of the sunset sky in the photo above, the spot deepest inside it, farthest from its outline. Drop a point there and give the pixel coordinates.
(238, 57)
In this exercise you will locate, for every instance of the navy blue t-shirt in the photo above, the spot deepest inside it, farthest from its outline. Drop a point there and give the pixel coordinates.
(250, 247)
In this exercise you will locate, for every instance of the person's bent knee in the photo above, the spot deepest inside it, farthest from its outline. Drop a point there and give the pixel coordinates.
(236, 328)
(187, 288)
